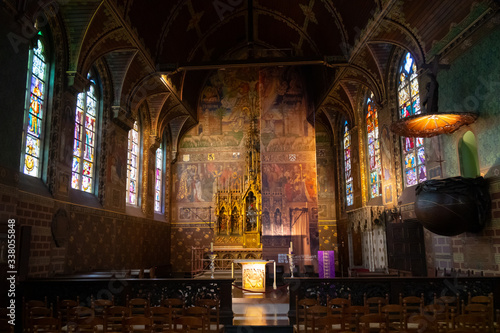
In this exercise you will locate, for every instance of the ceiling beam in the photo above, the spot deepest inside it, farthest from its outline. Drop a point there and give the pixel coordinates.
(262, 62)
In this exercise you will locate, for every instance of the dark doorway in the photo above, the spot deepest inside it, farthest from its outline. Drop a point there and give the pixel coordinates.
(405, 247)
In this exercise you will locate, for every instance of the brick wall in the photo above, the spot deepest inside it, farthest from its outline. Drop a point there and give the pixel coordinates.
(477, 253)
(96, 239)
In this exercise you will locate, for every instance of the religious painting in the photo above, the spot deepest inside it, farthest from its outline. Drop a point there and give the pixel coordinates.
(224, 109)
(197, 182)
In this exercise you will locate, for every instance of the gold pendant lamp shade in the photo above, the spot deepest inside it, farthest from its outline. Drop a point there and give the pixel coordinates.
(427, 125)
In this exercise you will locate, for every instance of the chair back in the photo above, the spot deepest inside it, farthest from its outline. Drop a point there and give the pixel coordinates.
(45, 325)
(138, 324)
(189, 324)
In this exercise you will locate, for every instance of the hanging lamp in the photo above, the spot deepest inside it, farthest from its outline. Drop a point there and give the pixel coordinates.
(429, 122)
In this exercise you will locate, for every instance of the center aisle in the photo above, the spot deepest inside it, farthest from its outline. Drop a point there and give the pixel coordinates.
(264, 309)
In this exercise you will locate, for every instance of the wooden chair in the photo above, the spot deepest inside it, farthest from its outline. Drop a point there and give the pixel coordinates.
(412, 304)
(313, 313)
(101, 305)
(451, 303)
(64, 306)
(394, 315)
(352, 315)
(199, 312)
(162, 318)
(328, 324)
(338, 306)
(138, 324)
(189, 324)
(213, 306)
(28, 304)
(484, 300)
(300, 309)
(138, 306)
(38, 312)
(375, 304)
(175, 304)
(91, 325)
(45, 325)
(437, 312)
(473, 322)
(422, 323)
(115, 316)
(372, 322)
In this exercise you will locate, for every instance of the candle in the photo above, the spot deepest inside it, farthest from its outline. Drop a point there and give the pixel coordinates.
(212, 247)
(291, 247)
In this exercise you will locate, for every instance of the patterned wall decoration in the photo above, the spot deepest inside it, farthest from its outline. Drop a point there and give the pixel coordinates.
(326, 190)
(100, 240)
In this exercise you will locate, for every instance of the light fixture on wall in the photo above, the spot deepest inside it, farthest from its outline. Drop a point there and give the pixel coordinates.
(430, 122)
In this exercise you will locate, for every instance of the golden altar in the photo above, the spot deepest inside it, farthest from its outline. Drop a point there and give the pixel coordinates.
(253, 274)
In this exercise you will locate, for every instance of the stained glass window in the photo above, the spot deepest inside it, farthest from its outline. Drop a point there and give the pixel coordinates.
(347, 165)
(409, 105)
(82, 177)
(158, 178)
(373, 148)
(132, 164)
(35, 109)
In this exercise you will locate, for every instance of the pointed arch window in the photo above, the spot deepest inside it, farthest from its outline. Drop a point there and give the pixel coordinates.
(373, 148)
(132, 164)
(36, 102)
(158, 179)
(413, 150)
(84, 146)
(347, 165)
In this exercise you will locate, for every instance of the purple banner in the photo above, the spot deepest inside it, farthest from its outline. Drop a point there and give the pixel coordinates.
(326, 264)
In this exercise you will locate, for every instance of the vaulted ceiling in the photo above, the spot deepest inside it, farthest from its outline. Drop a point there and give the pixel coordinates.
(159, 53)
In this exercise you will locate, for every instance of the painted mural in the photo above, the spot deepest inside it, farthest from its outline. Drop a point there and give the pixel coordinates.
(212, 158)
(224, 108)
(288, 150)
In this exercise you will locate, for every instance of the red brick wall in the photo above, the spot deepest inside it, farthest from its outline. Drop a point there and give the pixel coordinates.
(477, 253)
(96, 240)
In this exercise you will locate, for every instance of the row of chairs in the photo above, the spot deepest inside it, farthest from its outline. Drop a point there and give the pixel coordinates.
(127, 325)
(443, 314)
(164, 317)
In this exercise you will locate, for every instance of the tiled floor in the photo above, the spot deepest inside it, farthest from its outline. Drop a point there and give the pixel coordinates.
(266, 309)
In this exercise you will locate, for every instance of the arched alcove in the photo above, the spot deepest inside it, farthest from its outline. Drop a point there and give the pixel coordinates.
(467, 152)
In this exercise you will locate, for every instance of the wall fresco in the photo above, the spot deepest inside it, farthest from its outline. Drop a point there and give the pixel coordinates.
(212, 157)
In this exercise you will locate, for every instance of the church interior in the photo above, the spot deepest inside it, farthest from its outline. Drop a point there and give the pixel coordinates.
(172, 139)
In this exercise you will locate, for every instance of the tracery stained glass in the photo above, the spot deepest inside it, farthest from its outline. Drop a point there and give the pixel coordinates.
(347, 165)
(35, 109)
(409, 105)
(84, 144)
(132, 173)
(158, 178)
(375, 169)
